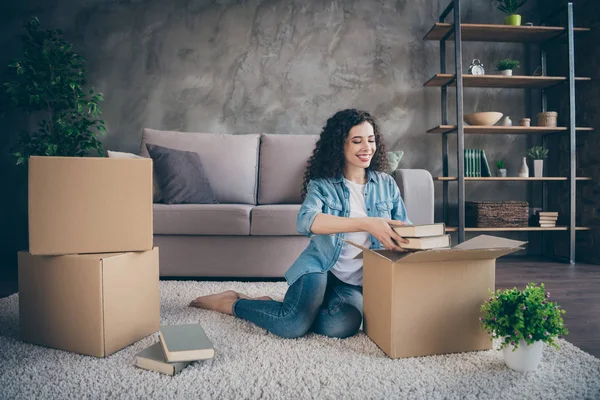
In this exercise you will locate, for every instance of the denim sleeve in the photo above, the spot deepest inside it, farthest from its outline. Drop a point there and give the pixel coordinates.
(312, 205)
(399, 209)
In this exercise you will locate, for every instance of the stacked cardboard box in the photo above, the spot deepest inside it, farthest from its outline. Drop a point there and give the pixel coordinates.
(89, 282)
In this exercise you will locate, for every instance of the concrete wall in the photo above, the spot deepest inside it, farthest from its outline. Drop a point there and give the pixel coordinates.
(264, 66)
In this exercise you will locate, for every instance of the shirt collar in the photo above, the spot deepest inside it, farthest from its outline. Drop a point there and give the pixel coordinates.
(371, 176)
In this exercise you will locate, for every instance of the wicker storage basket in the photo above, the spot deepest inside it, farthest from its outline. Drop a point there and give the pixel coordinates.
(490, 214)
(547, 118)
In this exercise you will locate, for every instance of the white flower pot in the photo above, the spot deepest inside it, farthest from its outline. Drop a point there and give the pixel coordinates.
(525, 358)
(506, 72)
(502, 172)
(538, 168)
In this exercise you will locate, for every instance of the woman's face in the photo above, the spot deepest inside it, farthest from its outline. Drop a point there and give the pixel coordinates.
(360, 146)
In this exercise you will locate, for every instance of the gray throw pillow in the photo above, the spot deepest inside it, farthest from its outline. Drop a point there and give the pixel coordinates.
(181, 176)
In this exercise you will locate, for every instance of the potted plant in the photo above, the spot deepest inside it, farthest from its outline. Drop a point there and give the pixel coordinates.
(523, 321)
(506, 66)
(510, 7)
(538, 153)
(501, 169)
(48, 81)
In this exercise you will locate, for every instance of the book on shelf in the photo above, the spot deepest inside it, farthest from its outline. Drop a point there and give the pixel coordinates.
(426, 243)
(186, 342)
(547, 213)
(476, 164)
(153, 359)
(420, 230)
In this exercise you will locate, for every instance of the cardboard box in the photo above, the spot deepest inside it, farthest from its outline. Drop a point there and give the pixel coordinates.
(428, 302)
(89, 205)
(93, 304)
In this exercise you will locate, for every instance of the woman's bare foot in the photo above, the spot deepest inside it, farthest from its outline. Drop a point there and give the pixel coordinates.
(221, 302)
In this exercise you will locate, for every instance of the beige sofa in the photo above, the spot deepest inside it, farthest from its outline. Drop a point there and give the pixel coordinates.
(257, 180)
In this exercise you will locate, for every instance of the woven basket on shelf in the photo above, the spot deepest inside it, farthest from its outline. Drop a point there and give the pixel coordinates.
(547, 118)
(490, 214)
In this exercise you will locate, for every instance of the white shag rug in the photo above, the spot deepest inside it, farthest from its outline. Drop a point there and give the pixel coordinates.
(253, 364)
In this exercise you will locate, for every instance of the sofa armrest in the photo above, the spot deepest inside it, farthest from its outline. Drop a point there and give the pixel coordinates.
(416, 188)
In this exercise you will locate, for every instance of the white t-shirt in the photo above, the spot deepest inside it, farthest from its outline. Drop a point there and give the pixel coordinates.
(347, 269)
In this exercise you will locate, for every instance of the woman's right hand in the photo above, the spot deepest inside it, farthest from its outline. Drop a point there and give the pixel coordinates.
(381, 228)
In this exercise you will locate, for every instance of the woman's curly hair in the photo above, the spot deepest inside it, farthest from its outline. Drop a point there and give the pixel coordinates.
(327, 160)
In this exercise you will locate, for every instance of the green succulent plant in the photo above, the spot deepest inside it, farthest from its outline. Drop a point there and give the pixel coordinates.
(537, 153)
(509, 7)
(500, 164)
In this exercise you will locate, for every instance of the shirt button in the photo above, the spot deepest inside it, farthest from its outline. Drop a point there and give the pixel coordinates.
(368, 209)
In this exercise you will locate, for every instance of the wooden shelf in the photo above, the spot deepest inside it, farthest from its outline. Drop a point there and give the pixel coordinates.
(508, 130)
(499, 33)
(509, 178)
(500, 81)
(528, 228)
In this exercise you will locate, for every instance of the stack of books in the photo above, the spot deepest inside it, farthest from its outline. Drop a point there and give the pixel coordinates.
(178, 347)
(546, 219)
(424, 237)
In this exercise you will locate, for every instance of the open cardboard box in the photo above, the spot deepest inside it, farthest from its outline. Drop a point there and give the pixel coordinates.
(89, 205)
(93, 304)
(428, 302)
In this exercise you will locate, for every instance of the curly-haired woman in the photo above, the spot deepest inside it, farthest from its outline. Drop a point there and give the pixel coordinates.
(346, 194)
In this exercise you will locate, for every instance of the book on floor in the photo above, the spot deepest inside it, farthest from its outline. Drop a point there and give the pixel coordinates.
(422, 230)
(186, 342)
(153, 359)
(426, 243)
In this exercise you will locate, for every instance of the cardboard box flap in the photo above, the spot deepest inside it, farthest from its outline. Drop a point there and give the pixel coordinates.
(453, 255)
(489, 242)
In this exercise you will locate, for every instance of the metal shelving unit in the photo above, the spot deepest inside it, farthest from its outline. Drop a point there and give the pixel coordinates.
(540, 35)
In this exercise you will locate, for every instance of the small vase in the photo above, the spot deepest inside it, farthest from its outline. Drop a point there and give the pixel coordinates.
(506, 72)
(506, 121)
(502, 172)
(524, 169)
(525, 357)
(538, 168)
(514, 19)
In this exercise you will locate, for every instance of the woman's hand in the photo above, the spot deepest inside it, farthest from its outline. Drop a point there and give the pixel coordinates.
(381, 228)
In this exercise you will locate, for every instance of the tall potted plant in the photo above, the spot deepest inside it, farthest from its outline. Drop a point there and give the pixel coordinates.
(48, 81)
(523, 321)
(510, 7)
(538, 154)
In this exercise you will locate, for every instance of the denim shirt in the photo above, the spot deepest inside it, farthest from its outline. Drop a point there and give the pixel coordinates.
(331, 196)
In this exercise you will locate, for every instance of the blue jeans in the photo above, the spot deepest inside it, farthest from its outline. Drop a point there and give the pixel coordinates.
(317, 302)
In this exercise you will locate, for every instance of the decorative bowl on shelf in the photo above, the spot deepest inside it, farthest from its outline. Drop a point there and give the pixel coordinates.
(483, 118)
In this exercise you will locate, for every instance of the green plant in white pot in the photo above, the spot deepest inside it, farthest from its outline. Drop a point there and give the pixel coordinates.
(538, 154)
(501, 169)
(48, 82)
(510, 7)
(523, 320)
(506, 66)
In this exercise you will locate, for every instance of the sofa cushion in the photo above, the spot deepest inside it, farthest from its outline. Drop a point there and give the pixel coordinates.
(202, 219)
(181, 176)
(274, 220)
(283, 160)
(230, 161)
(394, 158)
